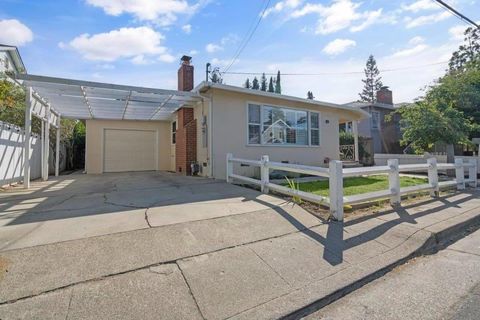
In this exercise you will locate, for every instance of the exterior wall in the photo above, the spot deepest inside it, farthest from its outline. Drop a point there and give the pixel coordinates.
(230, 133)
(201, 114)
(386, 138)
(94, 140)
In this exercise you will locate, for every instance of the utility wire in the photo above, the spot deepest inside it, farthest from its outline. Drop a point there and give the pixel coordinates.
(243, 44)
(335, 73)
(456, 13)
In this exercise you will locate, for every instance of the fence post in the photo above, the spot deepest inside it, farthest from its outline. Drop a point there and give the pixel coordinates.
(459, 174)
(336, 189)
(229, 167)
(394, 182)
(433, 176)
(264, 174)
(472, 172)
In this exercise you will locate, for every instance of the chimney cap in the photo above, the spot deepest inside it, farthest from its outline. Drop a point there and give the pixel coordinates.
(384, 88)
(186, 58)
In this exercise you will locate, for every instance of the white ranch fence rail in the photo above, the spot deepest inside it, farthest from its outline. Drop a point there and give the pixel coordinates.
(335, 174)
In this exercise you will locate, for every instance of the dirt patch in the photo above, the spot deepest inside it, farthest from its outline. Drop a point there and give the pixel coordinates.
(4, 263)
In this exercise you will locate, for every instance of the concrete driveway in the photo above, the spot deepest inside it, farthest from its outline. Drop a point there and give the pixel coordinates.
(79, 206)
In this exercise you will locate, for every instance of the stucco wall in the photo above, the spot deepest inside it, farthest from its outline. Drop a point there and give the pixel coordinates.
(94, 141)
(230, 133)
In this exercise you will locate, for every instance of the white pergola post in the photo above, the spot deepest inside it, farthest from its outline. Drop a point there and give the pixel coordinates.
(46, 153)
(355, 137)
(42, 149)
(27, 145)
(57, 149)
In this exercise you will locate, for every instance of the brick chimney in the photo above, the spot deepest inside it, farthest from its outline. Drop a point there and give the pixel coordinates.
(384, 95)
(185, 74)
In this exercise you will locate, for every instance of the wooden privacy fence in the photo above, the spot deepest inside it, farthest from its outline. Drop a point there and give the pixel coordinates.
(335, 174)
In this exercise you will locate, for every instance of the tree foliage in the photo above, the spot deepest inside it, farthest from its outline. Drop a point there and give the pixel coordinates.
(372, 81)
(310, 95)
(468, 54)
(255, 84)
(263, 83)
(247, 84)
(278, 86)
(271, 88)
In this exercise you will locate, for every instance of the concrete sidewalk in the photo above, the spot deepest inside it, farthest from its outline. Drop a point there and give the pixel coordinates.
(259, 265)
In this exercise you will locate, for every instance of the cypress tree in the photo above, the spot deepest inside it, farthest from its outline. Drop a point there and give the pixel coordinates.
(270, 85)
(263, 83)
(278, 86)
(310, 95)
(255, 85)
(372, 81)
(247, 84)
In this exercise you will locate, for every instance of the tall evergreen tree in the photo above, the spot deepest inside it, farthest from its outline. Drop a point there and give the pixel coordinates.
(247, 84)
(310, 95)
(263, 83)
(468, 54)
(255, 84)
(278, 86)
(270, 85)
(372, 81)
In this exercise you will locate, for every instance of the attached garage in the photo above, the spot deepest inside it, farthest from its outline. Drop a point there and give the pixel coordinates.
(129, 150)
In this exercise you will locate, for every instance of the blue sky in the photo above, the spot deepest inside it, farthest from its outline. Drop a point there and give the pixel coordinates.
(140, 42)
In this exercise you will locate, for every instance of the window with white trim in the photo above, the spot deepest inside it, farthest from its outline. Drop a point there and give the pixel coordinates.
(282, 126)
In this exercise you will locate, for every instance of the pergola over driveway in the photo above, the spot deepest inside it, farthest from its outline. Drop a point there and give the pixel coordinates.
(51, 99)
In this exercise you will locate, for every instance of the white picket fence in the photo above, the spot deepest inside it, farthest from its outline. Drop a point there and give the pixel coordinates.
(335, 174)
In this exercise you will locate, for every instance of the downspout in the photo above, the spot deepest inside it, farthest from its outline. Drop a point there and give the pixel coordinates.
(209, 99)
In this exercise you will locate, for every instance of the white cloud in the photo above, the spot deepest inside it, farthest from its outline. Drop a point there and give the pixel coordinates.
(220, 62)
(457, 32)
(14, 33)
(416, 40)
(338, 46)
(421, 5)
(341, 14)
(135, 43)
(167, 57)
(187, 28)
(193, 52)
(164, 12)
(416, 45)
(427, 19)
(212, 47)
(282, 5)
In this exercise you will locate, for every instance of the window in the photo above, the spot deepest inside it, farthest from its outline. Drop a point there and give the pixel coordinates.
(375, 119)
(282, 126)
(314, 129)
(174, 132)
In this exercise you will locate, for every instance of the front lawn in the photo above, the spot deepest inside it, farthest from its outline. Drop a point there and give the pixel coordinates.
(358, 185)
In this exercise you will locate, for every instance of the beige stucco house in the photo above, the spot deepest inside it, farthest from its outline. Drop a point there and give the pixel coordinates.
(191, 130)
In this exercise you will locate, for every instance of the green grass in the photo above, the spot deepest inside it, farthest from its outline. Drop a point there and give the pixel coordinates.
(358, 185)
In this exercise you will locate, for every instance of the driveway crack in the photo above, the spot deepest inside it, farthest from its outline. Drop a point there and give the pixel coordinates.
(146, 218)
(190, 291)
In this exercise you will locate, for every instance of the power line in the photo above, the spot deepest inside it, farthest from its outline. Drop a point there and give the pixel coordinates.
(243, 44)
(335, 73)
(456, 13)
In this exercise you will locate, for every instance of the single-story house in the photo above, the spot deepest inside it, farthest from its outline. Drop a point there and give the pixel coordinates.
(190, 130)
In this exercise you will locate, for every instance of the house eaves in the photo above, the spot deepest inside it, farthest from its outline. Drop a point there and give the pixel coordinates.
(15, 57)
(205, 86)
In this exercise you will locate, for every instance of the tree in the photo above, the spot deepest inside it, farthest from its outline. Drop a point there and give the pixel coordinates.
(270, 85)
(255, 84)
(278, 86)
(263, 83)
(372, 81)
(310, 95)
(468, 54)
(247, 84)
(426, 122)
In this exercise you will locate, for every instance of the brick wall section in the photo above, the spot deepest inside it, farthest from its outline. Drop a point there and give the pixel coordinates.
(185, 77)
(186, 141)
(384, 96)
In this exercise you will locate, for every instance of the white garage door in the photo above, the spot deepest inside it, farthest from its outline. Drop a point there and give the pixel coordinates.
(129, 150)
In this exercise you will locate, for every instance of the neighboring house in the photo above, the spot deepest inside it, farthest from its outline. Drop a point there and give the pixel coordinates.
(10, 60)
(139, 129)
(385, 135)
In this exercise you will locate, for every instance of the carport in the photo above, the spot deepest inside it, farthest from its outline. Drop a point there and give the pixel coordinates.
(51, 99)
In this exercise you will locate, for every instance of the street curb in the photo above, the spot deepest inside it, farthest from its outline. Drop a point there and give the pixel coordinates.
(434, 243)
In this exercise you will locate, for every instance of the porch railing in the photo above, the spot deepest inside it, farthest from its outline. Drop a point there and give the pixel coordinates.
(335, 174)
(347, 152)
